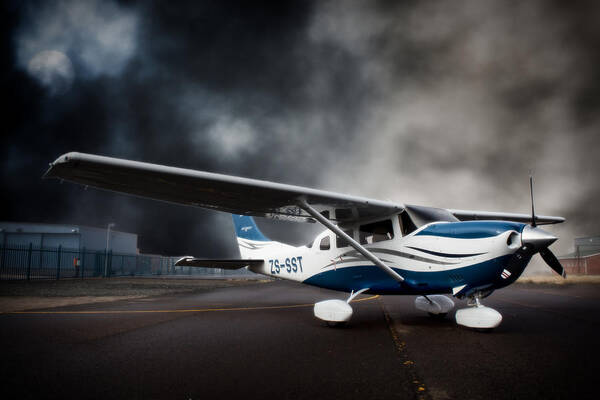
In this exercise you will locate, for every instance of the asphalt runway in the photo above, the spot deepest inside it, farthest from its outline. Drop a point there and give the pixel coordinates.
(262, 341)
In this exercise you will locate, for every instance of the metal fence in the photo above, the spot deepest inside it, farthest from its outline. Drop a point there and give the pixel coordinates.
(29, 262)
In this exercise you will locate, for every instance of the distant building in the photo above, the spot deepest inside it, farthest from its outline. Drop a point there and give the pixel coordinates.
(585, 260)
(76, 237)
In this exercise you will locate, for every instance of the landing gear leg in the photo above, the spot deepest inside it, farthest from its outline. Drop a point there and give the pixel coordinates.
(478, 316)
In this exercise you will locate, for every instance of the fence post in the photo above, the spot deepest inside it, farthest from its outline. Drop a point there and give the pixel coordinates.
(82, 262)
(3, 253)
(58, 262)
(110, 260)
(29, 261)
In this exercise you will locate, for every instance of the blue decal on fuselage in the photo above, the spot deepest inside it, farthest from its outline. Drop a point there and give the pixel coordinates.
(471, 229)
(416, 282)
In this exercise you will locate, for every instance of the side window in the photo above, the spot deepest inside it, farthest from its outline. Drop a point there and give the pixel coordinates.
(406, 224)
(325, 244)
(341, 242)
(376, 232)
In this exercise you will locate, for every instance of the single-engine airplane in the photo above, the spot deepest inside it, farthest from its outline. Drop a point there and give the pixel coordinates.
(369, 246)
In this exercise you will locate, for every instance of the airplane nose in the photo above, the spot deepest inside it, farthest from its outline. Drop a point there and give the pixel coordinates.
(536, 237)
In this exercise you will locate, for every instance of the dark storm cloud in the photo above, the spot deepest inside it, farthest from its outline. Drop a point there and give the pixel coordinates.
(187, 89)
(447, 104)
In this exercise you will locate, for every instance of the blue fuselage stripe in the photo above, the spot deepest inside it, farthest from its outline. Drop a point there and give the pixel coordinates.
(416, 282)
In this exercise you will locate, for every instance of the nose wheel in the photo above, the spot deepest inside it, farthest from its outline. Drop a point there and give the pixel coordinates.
(478, 316)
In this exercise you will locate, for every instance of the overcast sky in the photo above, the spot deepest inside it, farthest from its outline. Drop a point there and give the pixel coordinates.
(446, 104)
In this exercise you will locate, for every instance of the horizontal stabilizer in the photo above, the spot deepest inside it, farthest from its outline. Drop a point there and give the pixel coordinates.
(223, 264)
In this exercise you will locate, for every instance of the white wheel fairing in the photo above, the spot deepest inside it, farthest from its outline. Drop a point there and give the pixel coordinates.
(479, 317)
(437, 304)
(333, 310)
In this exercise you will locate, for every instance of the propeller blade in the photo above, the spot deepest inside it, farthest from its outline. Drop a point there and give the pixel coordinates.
(516, 264)
(532, 203)
(553, 262)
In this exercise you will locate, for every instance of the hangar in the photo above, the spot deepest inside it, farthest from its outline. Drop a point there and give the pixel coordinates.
(67, 237)
(53, 251)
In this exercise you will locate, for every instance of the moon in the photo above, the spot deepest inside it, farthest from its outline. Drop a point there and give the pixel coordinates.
(53, 70)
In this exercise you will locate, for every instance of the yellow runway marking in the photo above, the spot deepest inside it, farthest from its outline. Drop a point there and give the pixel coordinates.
(197, 310)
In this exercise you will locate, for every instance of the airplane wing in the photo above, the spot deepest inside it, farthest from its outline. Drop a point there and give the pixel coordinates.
(246, 196)
(466, 215)
(213, 191)
(223, 264)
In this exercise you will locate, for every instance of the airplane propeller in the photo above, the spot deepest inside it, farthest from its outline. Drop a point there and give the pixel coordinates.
(553, 262)
(536, 240)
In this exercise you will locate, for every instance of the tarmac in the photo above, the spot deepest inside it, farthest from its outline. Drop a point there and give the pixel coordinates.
(262, 341)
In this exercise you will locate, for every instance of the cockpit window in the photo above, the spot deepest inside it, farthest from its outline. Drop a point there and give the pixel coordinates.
(376, 232)
(325, 243)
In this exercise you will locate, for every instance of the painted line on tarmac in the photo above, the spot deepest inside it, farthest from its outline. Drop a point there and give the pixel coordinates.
(197, 310)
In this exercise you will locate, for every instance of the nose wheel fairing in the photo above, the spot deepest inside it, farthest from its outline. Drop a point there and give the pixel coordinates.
(478, 317)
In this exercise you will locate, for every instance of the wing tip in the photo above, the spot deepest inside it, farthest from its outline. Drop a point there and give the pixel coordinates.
(65, 158)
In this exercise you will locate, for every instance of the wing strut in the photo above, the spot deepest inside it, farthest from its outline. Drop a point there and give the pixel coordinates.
(368, 255)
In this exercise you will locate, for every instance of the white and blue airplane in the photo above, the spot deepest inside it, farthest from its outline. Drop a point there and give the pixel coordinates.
(368, 246)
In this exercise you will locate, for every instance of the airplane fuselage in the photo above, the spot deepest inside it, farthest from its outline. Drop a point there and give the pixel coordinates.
(442, 257)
